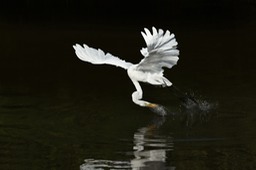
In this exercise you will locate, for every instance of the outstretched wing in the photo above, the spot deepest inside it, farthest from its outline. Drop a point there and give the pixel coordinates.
(161, 51)
(95, 56)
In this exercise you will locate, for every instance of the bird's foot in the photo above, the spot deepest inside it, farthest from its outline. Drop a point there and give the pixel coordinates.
(159, 109)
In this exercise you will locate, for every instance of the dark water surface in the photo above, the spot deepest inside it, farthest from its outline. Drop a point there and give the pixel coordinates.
(57, 112)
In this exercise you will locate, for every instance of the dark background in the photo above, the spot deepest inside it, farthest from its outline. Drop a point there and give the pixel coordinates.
(56, 111)
(123, 12)
(37, 37)
(39, 33)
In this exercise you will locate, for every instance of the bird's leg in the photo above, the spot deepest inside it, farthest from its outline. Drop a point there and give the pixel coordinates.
(185, 98)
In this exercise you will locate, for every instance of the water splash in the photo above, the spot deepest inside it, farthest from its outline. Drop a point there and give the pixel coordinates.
(160, 110)
(207, 106)
(196, 109)
(198, 103)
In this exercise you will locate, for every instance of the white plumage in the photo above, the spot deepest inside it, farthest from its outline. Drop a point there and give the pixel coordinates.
(94, 56)
(161, 51)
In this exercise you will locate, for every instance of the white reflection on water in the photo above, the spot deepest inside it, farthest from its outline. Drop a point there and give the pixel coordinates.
(149, 150)
(91, 164)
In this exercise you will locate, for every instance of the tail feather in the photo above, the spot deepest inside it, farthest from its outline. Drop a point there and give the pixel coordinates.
(167, 82)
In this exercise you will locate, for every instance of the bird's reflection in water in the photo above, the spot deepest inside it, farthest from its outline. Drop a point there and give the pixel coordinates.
(150, 151)
(150, 148)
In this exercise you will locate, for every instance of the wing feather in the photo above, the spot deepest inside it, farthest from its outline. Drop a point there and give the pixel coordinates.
(161, 51)
(95, 56)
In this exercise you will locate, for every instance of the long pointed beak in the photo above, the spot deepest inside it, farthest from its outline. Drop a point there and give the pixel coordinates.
(152, 105)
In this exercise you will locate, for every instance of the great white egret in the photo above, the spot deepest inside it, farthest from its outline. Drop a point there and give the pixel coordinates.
(161, 51)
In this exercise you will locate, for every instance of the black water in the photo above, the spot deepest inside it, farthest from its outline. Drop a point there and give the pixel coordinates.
(57, 112)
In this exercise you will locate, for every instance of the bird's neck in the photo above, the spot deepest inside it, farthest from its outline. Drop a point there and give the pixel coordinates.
(137, 95)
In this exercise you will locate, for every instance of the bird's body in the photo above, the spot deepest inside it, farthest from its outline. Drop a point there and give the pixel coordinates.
(147, 77)
(161, 51)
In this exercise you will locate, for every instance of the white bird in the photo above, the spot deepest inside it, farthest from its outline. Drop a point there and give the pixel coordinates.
(161, 51)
